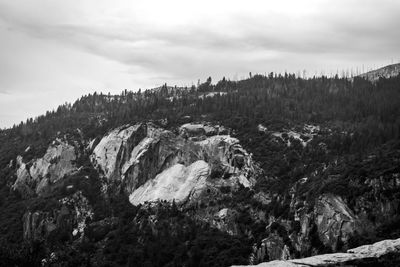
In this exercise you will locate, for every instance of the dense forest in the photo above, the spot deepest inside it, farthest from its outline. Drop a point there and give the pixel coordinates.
(364, 109)
(359, 122)
(365, 114)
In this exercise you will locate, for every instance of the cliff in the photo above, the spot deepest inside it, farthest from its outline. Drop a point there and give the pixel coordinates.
(150, 163)
(56, 163)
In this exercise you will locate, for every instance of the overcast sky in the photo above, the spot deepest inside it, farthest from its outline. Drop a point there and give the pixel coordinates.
(53, 51)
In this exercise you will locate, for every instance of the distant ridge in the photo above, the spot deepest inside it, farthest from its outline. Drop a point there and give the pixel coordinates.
(384, 72)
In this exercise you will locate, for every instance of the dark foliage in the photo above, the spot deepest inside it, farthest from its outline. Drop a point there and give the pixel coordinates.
(358, 119)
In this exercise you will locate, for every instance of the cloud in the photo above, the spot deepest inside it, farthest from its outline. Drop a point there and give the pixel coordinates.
(78, 47)
(331, 29)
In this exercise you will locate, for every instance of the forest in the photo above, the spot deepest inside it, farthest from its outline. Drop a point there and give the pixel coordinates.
(358, 119)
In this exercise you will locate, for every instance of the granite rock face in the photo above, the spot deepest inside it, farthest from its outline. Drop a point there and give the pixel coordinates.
(114, 148)
(56, 163)
(151, 163)
(24, 182)
(131, 155)
(329, 220)
(275, 248)
(368, 254)
(175, 183)
(336, 223)
(328, 224)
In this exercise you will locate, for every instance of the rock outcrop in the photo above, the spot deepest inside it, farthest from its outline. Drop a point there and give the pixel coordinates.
(175, 183)
(24, 182)
(113, 147)
(201, 129)
(225, 220)
(69, 218)
(302, 135)
(336, 223)
(151, 163)
(371, 254)
(272, 247)
(329, 221)
(56, 163)
(131, 155)
(80, 208)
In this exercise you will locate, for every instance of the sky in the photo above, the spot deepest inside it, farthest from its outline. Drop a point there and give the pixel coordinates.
(55, 51)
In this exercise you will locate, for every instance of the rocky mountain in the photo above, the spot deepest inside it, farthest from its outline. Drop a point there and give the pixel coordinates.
(270, 169)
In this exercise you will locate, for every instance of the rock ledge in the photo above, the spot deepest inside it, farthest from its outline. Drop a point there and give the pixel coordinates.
(366, 252)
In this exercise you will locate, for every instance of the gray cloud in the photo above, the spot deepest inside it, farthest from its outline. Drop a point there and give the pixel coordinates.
(330, 34)
(98, 44)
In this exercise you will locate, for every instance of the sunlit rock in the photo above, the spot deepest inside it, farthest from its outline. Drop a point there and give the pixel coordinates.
(143, 157)
(365, 253)
(175, 183)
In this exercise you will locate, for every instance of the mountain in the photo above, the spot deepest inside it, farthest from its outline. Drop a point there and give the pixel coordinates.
(233, 173)
(384, 72)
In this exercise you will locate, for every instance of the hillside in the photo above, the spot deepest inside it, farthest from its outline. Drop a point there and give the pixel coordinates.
(384, 72)
(232, 173)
